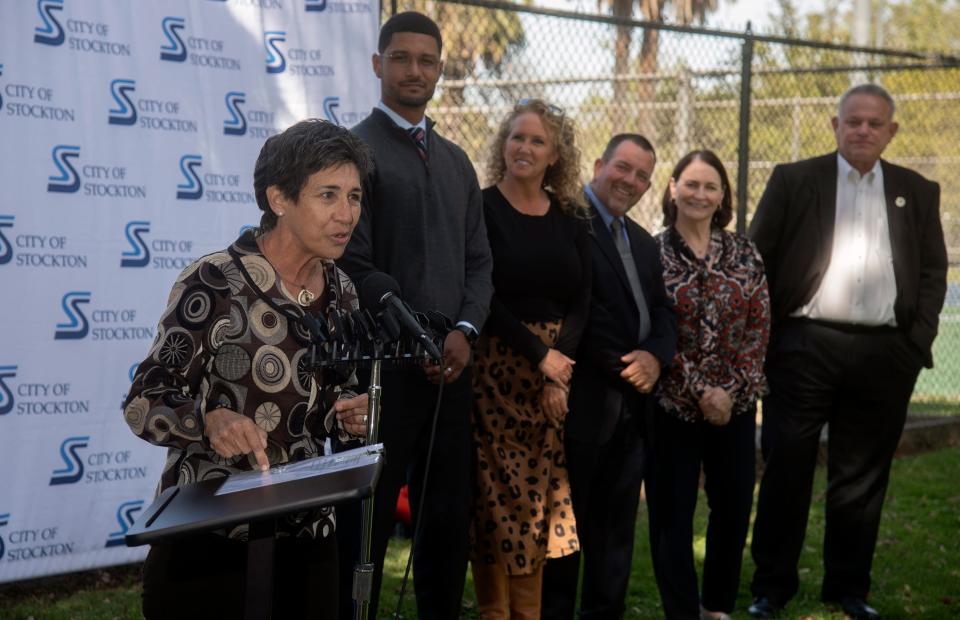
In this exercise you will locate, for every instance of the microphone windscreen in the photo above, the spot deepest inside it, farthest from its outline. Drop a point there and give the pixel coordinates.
(374, 287)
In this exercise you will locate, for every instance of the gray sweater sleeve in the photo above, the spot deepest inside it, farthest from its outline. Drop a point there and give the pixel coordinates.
(478, 262)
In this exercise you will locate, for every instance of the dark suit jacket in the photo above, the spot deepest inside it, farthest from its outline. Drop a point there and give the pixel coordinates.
(793, 229)
(598, 394)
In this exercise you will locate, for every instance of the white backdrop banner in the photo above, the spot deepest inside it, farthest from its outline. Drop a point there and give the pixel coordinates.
(128, 136)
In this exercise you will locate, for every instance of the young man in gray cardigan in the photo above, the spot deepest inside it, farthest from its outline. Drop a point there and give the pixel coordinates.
(422, 224)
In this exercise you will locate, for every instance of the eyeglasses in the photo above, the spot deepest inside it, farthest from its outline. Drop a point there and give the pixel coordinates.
(427, 63)
(549, 107)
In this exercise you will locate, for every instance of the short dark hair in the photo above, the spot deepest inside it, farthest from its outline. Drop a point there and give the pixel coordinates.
(288, 159)
(410, 21)
(723, 215)
(620, 138)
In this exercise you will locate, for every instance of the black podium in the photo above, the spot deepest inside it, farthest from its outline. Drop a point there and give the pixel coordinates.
(259, 498)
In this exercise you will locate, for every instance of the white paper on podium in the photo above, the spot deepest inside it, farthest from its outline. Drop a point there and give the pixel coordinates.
(288, 472)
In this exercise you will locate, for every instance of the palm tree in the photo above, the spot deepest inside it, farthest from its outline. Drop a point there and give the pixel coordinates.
(687, 12)
(474, 40)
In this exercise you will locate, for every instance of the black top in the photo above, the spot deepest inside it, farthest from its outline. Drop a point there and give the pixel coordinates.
(541, 272)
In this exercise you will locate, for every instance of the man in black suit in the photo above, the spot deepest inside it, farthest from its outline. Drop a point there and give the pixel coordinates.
(630, 336)
(856, 264)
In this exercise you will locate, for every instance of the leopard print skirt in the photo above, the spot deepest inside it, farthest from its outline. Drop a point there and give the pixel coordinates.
(523, 513)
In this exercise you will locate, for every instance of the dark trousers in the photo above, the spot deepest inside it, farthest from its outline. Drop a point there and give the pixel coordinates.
(727, 454)
(204, 576)
(605, 485)
(559, 589)
(857, 381)
(440, 553)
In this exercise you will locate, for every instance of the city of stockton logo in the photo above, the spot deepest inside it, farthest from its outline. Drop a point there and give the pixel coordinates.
(173, 50)
(4, 519)
(73, 465)
(336, 6)
(125, 113)
(67, 180)
(6, 394)
(196, 50)
(34, 101)
(51, 32)
(76, 326)
(248, 116)
(108, 324)
(147, 112)
(294, 60)
(6, 248)
(258, 4)
(86, 35)
(40, 543)
(192, 189)
(139, 254)
(330, 105)
(126, 514)
(276, 62)
(101, 180)
(333, 112)
(33, 398)
(37, 249)
(96, 466)
(159, 253)
(236, 125)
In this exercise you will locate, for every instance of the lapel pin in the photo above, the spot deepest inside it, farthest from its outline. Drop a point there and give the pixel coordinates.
(900, 201)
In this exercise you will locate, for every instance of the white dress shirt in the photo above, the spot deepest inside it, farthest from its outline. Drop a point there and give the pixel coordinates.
(859, 286)
(401, 122)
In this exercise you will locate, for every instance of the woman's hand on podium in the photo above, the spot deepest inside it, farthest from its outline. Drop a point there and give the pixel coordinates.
(232, 434)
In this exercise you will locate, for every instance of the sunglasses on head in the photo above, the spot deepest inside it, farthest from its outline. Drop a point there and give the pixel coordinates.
(549, 107)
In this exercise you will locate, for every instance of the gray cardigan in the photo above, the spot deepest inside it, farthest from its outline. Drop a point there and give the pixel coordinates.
(422, 223)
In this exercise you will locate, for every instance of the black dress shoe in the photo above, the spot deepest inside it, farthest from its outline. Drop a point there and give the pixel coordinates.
(857, 609)
(762, 607)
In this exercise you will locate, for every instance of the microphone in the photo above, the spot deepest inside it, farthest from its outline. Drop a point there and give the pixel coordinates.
(379, 291)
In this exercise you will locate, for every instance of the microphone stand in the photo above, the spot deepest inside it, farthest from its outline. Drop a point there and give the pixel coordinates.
(363, 569)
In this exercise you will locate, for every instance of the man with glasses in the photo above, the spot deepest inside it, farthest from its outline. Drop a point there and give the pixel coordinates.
(422, 224)
(630, 336)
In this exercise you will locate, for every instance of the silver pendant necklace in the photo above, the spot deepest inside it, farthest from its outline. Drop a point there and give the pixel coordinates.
(305, 297)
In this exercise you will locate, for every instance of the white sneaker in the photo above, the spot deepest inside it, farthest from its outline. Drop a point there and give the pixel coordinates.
(706, 614)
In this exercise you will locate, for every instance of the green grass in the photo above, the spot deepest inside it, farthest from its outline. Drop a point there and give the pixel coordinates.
(916, 570)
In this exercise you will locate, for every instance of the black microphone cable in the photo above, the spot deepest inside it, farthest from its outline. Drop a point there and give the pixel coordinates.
(423, 494)
(374, 292)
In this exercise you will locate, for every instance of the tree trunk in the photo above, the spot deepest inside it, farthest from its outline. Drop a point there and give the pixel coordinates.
(621, 114)
(649, 49)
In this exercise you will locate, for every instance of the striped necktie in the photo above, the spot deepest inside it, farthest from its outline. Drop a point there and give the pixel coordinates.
(419, 137)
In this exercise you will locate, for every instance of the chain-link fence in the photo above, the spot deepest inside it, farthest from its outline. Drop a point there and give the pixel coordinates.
(754, 100)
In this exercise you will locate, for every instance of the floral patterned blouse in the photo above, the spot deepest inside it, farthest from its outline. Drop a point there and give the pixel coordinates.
(232, 337)
(723, 322)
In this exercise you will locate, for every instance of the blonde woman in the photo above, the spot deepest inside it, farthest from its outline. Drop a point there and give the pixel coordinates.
(524, 358)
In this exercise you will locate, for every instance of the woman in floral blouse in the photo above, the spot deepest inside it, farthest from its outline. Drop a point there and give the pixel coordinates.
(227, 385)
(707, 397)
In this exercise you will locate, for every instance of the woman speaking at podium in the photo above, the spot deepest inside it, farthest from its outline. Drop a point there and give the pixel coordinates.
(227, 388)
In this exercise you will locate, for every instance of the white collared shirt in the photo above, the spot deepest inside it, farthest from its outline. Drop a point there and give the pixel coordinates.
(859, 286)
(401, 122)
